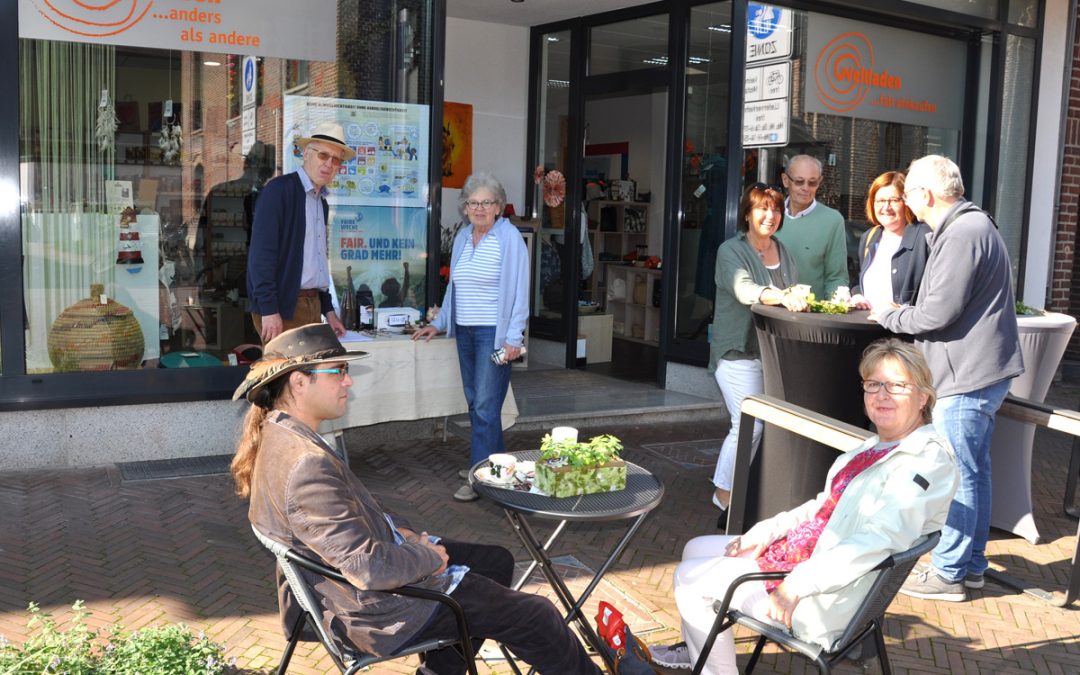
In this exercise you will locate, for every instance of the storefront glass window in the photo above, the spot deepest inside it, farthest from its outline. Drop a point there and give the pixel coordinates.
(550, 172)
(142, 168)
(864, 99)
(1024, 13)
(986, 9)
(1012, 178)
(629, 45)
(704, 167)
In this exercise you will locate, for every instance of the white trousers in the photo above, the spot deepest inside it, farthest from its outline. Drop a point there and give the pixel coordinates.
(703, 577)
(737, 380)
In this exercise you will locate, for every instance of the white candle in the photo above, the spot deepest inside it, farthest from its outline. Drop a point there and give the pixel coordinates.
(561, 434)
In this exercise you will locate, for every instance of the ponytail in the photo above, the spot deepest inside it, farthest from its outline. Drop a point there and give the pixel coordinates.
(243, 463)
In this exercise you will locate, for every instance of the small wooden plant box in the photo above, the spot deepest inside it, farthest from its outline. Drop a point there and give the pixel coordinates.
(569, 481)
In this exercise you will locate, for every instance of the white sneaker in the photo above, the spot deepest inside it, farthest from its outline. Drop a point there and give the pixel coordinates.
(676, 656)
(465, 493)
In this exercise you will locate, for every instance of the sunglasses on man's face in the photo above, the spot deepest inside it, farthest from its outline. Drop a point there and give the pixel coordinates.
(341, 371)
(325, 157)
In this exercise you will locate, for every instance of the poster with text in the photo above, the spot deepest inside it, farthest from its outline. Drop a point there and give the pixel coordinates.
(386, 247)
(391, 143)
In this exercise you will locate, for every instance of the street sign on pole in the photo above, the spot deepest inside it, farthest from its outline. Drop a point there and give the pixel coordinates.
(248, 78)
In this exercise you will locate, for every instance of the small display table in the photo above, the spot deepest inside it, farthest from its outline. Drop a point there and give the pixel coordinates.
(407, 380)
(642, 494)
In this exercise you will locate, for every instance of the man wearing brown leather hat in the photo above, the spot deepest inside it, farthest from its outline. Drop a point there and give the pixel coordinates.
(288, 273)
(303, 495)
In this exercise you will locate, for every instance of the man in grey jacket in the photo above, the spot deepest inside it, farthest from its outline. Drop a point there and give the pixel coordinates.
(303, 495)
(965, 323)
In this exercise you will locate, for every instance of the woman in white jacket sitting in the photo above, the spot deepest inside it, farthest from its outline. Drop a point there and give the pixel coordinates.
(878, 500)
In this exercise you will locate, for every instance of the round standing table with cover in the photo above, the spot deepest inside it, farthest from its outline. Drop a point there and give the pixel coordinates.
(1043, 340)
(810, 360)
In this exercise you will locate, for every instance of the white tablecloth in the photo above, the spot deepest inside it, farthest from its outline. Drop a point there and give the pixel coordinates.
(1043, 340)
(406, 380)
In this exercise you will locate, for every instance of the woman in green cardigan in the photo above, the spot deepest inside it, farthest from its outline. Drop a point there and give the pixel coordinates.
(752, 267)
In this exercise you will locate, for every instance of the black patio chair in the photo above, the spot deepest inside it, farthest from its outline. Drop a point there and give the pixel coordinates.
(347, 659)
(867, 620)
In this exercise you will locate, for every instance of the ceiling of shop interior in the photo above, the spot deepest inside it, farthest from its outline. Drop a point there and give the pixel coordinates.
(531, 12)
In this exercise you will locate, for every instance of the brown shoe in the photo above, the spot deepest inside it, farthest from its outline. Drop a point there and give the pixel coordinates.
(465, 493)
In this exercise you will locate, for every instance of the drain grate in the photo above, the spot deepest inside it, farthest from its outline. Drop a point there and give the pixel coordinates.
(187, 467)
(688, 454)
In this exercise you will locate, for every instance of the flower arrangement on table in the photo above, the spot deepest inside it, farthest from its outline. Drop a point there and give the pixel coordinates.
(567, 468)
(840, 303)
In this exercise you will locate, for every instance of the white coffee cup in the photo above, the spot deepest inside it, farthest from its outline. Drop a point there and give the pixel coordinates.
(503, 466)
(561, 434)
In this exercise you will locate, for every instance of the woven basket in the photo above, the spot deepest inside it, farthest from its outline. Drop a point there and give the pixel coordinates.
(93, 336)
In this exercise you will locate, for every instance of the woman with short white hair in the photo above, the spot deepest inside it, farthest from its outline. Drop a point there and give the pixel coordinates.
(486, 308)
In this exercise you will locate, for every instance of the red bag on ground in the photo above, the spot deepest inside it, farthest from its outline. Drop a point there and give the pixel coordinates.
(630, 655)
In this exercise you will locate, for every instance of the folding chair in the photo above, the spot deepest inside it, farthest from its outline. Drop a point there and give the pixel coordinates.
(348, 660)
(868, 618)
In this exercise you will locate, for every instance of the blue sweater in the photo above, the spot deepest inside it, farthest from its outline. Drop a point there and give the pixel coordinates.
(512, 309)
(276, 256)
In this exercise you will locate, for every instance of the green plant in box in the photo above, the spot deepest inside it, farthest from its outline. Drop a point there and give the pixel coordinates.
(569, 468)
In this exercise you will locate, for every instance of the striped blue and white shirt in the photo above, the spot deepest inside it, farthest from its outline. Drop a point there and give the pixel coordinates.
(476, 279)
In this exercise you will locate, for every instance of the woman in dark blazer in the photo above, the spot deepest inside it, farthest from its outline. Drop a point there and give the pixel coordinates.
(894, 277)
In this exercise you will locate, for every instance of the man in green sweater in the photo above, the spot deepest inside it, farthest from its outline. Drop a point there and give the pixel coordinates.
(813, 233)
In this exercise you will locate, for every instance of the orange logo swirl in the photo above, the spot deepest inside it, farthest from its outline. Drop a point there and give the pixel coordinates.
(93, 18)
(840, 86)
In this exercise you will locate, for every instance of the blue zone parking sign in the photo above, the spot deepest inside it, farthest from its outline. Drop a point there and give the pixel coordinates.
(768, 33)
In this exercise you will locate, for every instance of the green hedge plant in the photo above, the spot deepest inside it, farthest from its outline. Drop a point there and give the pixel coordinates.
(76, 650)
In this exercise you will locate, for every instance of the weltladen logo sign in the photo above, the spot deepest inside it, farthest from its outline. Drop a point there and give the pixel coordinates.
(252, 27)
(874, 72)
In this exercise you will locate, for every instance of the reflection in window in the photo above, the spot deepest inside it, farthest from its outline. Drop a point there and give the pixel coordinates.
(1019, 74)
(704, 168)
(551, 157)
(629, 45)
(986, 9)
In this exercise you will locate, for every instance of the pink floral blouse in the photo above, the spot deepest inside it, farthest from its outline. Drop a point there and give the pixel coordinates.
(796, 546)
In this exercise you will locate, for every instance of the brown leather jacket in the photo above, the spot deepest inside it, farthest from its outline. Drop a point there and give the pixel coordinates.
(303, 495)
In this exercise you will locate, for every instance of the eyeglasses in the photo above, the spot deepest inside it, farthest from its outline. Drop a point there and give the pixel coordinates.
(803, 182)
(325, 157)
(766, 186)
(341, 371)
(910, 190)
(892, 201)
(476, 206)
(895, 388)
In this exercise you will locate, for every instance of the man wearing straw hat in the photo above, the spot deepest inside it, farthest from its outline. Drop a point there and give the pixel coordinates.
(288, 271)
(303, 495)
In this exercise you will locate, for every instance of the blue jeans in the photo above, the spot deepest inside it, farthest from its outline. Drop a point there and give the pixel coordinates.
(967, 421)
(485, 387)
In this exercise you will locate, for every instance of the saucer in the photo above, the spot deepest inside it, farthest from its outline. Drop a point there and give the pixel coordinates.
(483, 474)
(525, 471)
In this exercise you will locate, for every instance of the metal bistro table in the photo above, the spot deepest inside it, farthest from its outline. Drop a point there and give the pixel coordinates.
(642, 494)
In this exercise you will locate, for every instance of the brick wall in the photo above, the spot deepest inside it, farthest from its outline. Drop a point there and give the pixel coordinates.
(1065, 287)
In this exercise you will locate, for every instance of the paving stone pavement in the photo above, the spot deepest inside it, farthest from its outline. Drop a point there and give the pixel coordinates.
(144, 552)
